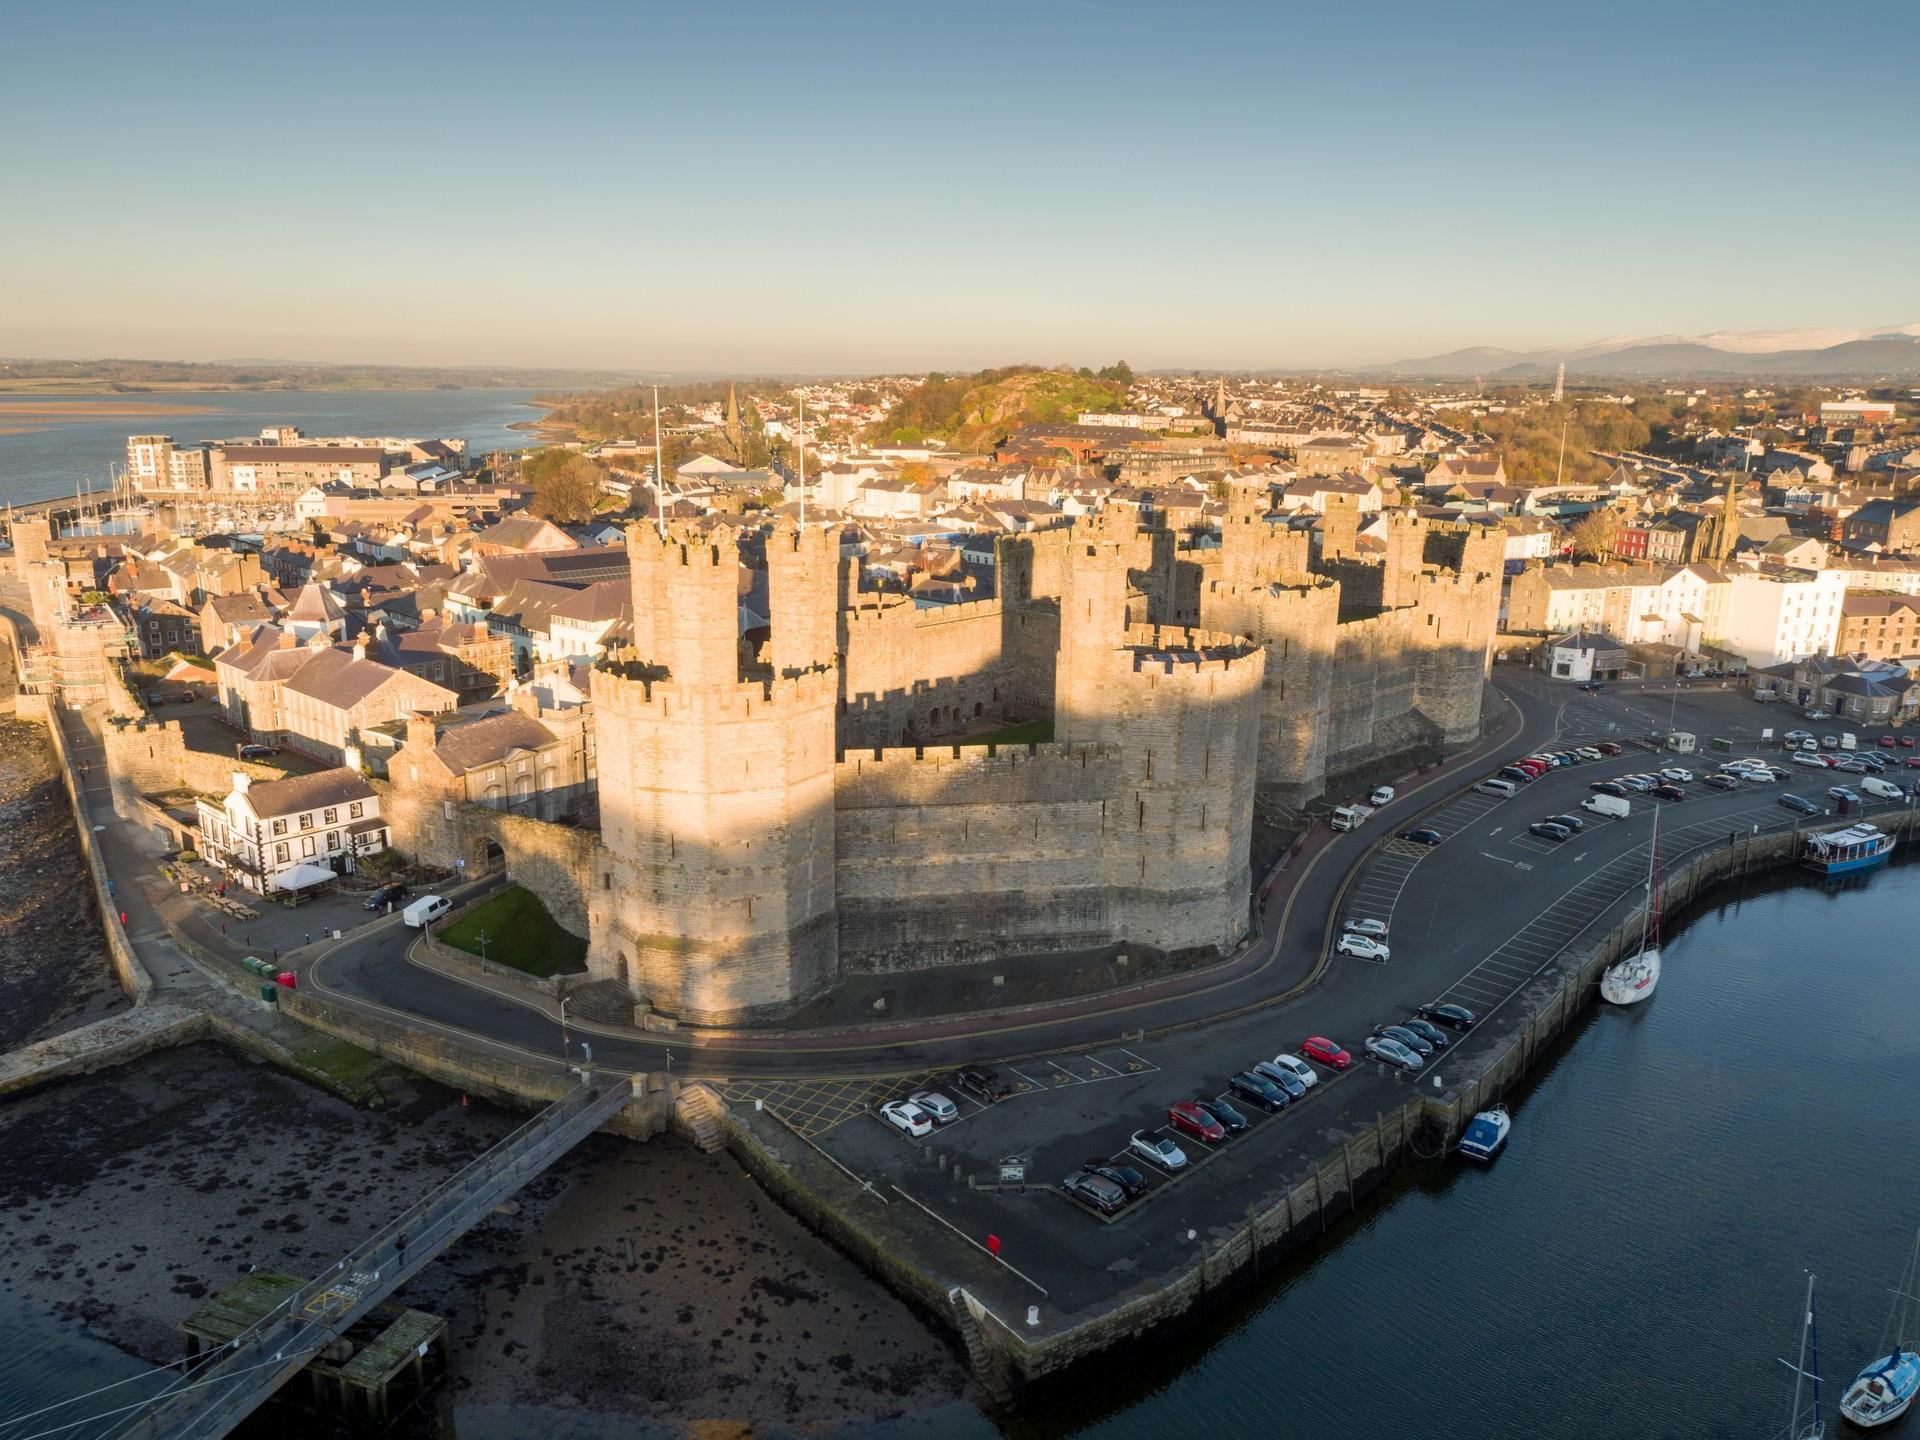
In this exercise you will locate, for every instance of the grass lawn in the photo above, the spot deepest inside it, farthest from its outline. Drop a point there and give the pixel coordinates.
(1031, 732)
(519, 933)
(354, 1072)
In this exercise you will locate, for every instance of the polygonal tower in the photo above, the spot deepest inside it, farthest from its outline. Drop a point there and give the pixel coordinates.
(715, 897)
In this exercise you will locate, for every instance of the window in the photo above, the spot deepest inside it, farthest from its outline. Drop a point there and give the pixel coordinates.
(353, 810)
(279, 827)
(333, 840)
(280, 851)
(332, 815)
(306, 844)
(306, 820)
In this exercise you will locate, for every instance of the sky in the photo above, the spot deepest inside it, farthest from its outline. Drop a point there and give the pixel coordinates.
(836, 188)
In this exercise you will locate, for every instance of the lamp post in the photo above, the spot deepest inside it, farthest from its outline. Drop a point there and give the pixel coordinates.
(564, 1045)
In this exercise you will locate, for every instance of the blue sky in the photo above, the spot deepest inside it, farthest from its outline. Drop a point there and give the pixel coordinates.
(847, 187)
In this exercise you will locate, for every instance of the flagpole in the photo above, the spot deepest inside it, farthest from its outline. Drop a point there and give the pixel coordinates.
(659, 468)
(800, 429)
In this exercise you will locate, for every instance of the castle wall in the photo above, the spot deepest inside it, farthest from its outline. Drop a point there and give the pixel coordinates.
(910, 674)
(1296, 627)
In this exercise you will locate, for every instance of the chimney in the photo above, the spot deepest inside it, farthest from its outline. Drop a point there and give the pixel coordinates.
(360, 648)
(420, 730)
(241, 780)
(351, 757)
(286, 640)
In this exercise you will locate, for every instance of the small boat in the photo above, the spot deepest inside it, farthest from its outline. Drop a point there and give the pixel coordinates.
(1841, 852)
(1808, 1426)
(1486, 1134)
(1629, 981)
(1882, 1392)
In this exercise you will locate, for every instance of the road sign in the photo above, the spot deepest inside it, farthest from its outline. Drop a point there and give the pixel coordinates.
(1013, 1170)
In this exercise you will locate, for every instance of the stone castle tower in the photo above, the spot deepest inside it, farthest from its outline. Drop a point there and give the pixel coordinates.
(716, 898)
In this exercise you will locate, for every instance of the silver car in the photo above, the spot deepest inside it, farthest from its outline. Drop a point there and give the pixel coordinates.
(1393, 1053)
(943, 1110)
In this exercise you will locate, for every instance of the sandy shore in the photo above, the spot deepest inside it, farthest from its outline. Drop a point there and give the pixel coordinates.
(646, 1285)
(53, 964)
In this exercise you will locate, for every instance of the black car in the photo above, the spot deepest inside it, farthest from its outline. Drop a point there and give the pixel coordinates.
(1454, 1017)
(1422, 837)
(1231, 1120)
(386, 895)
(1433, 1034)
(1413, 1040)
(1547, 830)
(1517, 775)
(257, 752)
(1095, 1191)
(1800, 803)
(981, 1083)
(1125, 1176)
(1669, 792)
(1608, 787)
(1572, 822)
(1260, 1090)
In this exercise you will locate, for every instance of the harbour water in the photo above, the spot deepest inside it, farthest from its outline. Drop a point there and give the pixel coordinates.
(1633, 1265)
(50, 444)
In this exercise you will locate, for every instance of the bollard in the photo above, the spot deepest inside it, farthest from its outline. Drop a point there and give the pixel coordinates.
(1033, 1315)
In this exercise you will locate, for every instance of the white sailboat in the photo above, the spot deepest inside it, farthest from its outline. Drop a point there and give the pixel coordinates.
(1881, 1393)
(1810, 1426)
(1629, 981)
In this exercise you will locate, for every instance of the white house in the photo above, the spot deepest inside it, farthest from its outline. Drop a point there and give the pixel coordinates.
(295, 833)
(1774, 616)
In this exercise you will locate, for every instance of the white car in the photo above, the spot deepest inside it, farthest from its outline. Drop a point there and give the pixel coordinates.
(943, 1110)
(1587, 752)
(1383, 1047)
(1372, 929)
(1160, 1150)
(1819, 715)
(1361, 948)
(1297, 1068)
(1676, 774)
(908, 1118)
(1382, 796)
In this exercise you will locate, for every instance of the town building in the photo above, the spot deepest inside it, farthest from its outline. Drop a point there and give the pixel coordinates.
(292, 834)
(1880, 627)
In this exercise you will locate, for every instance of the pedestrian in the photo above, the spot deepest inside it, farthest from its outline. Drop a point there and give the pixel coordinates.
(400, 1247)
(306, 938)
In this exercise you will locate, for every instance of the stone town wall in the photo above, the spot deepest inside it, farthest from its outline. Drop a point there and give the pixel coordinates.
(145, 757)
(1295, 625)
(1370, 710)
(910, 674)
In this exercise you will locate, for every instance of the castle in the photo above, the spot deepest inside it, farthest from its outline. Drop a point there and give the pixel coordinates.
(778, 814)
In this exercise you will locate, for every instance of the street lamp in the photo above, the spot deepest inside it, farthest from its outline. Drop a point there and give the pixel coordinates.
(564, 1045)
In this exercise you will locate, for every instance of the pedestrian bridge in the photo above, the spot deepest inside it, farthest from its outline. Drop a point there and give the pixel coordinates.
(215, 1393)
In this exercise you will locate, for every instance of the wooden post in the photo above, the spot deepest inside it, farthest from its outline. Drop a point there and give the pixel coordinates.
(1319, 1198)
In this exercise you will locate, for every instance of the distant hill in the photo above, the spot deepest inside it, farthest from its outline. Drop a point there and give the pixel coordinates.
(1890, 354)
(971, 411)
(126, 377)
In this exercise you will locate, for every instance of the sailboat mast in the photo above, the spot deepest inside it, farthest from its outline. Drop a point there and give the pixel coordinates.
(1800, 1366)
(1653, 855)
(1813, 1331)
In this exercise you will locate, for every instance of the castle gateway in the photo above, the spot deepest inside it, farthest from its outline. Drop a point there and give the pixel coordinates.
(779, 812)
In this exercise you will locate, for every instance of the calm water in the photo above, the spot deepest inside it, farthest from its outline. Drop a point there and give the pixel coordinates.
(1631, 1267)
(43, 454)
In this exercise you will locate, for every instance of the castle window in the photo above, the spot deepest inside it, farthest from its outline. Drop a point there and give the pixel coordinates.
(606, 880)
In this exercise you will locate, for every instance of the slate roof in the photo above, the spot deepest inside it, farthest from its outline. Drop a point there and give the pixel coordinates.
(307, 792)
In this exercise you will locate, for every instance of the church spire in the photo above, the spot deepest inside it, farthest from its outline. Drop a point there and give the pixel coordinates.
(734, 433)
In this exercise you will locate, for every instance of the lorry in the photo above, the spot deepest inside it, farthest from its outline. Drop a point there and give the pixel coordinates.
(1609, 805)
(1351, 817)
(425, 910)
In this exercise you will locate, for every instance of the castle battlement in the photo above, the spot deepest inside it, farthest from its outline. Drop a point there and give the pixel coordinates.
(663, 696)
(973, 757)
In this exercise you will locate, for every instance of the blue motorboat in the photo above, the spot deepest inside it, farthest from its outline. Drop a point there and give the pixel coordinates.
(1842, 852)
(1486, 1134)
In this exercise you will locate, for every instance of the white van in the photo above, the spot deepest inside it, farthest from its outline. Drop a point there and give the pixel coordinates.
(1500, 788)
(1611, 805)
(1848, 742)
(1885, 789)
(1351, 817)
(427, 908)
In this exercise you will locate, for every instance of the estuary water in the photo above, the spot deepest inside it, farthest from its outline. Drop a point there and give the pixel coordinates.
(50, 444)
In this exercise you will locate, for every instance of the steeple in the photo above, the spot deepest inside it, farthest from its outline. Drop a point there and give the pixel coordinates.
(735, 434)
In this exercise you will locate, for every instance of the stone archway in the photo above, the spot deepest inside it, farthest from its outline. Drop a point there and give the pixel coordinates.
(484, 853)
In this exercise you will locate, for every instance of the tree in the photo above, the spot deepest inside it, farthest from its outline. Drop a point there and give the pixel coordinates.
(566, 486)
(1593, 535)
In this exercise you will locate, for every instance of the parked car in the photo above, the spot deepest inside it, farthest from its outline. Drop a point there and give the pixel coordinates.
(1607, 747)
(1723, 782)
(1422, 837)
(1298, 1068)
(1454, 1017)
(1592, 687)
(1906, 742)
(1188, 1118)
(1159, 1149)
(1676, 775)
(1382, 795)
(1794, 737)
(1800, 804)
(1125, 1176)
(1887, 742)
(1415, 1042)
(908, 1118)
(981, 1083)
(1871, 761)
(1609, 787)
(1520, 774)
(1361, 948)
(1231, 1120)
(1588, 752)
(257, 752)
(1327, 1052)
(1094, 1191)
(1428, 1031)
(1547, 830)
(1814, 762)
(1572, 822)
(943, 1110)
(1913, 762)
(1372, 929)
(1260, 1090)
(1669, 792)
(1637, 784)
(1392, 1052)
(1285, 1079)
(1842, 793)
(1819, 715)
(392, 893)
(1851, 767)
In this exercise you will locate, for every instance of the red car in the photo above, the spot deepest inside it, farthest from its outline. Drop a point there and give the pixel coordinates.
(1906, 742)
(1318, 1047)
(1189, 1119)
(1913, 762)
(1887, 742)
